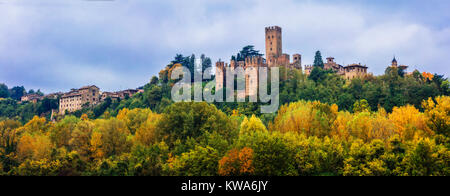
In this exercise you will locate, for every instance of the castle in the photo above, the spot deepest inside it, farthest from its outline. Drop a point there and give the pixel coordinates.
(274, 58)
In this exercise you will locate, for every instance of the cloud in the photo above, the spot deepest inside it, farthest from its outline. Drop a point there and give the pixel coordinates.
(57, 45)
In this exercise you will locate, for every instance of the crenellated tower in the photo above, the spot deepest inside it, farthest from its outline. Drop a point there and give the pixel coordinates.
(273, 44)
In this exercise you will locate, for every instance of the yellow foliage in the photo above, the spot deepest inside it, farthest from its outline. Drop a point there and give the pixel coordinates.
(252, 125)
(35, 125)
(96, 145)
(438, 114)
(311, 118)
(146, 134)
(134, 118)
(34, 147)
(409, 122)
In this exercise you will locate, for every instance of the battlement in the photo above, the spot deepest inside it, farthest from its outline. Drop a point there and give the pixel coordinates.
(254, 61)
(220, 64)
(273, 28)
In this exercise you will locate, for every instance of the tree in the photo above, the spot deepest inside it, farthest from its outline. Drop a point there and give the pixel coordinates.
(427, 159)
(184, 120)
(111, 137)
(201, 161)
(146, 133)
(153, 96)
(438, 113)
(361, 106)
(4, 93)
(133, 118)
(154, 80)
(34, 147)
(17, 92)
(237, 163)
(81, 138)
(247, 51)
(318, 61)
(61, 132)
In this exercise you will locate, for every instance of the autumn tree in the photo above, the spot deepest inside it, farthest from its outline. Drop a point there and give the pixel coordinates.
(438, 113)
(110, 138)
(201, 161)
(237, 163)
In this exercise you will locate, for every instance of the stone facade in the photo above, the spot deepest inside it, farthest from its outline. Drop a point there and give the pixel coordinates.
(251, 65)
(77, 98)
(355, 71)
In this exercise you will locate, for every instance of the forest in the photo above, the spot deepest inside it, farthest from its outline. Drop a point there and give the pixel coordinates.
(396, 124)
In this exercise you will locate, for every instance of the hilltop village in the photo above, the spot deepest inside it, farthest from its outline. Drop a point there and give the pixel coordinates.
(276, 58)
(91, 95)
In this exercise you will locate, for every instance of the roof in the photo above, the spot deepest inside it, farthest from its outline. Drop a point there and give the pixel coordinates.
(71, 94)
(86, 87)
(356, 65)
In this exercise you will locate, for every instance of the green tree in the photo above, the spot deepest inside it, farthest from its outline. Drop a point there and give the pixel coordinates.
(17, 92)
(4, 93)
(318, 61)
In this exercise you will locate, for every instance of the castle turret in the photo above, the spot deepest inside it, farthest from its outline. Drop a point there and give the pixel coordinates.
(220, 75)
(394, 62)
(330, 60)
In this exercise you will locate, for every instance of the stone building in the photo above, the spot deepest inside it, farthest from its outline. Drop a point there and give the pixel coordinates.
(31, 98)
(118, 95)
(355, 71)
(348, 72)
(77, 98)
(274, 58)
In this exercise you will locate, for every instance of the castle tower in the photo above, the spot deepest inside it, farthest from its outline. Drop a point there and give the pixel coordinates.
(297, 61)
(273, 44)
(330, 60)
(220, 75)
(394, 62)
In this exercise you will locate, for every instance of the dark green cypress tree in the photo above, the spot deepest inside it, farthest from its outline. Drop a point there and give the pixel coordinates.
(318, 62)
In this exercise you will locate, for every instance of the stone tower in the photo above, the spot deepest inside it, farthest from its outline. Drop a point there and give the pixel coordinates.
(394, 62)
(297, 61)
(220, 75)
(273, 44)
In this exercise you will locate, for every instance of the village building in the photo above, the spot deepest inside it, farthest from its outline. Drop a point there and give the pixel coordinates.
(120, 95)
(349, 72)
(77, 98)
(31, 98)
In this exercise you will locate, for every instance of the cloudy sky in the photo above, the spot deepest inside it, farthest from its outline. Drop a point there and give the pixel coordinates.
(56, 45)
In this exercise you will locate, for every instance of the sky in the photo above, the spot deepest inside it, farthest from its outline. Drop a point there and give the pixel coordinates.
(56, 45)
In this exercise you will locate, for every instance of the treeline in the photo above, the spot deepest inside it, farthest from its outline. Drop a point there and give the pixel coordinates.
(394, 88)
(196, 139)
(12, 108)
(16, 92)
